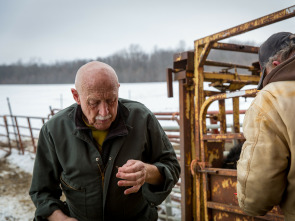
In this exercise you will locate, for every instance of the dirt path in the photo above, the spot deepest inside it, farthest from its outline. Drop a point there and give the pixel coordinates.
(15, 203)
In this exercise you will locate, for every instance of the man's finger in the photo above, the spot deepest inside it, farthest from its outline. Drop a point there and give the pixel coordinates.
(131, 182)
(127, 183)
(130, 176)
(133, 189)
(132, 167)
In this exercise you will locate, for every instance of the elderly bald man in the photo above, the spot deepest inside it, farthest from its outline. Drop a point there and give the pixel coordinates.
(109, 156)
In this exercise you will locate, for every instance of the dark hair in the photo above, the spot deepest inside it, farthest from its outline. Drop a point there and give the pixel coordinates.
(282, 55)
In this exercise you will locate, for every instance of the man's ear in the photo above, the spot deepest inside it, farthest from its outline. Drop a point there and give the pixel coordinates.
(76, 95)
(276, 63)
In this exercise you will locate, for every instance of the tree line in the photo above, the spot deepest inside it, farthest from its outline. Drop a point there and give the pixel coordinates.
(131, 65)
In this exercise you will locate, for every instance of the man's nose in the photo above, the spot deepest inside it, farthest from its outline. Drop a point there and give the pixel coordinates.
(103, 109)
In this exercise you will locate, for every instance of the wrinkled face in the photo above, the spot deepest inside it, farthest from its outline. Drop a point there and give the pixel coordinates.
(96, 91)
(100, 107)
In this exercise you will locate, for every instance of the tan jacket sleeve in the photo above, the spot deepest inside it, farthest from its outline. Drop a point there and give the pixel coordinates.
(263, 162)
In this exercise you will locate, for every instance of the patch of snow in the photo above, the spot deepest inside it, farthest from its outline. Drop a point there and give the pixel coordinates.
(19, 161)
(12, 208)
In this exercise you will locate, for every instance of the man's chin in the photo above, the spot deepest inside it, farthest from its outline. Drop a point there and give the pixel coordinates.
(102, 126)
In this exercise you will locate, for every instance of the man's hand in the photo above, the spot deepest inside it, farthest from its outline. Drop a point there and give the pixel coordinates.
(58, 215)
(135, 173)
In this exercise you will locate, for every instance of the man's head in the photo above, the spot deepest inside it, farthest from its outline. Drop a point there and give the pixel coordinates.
(276, 49)
(97, 92)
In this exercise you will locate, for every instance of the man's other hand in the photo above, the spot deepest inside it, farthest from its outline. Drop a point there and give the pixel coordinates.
(135, 173)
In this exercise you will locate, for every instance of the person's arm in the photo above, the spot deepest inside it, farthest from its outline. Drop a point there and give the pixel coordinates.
(263, 163)
(153, 175)
(45, 190)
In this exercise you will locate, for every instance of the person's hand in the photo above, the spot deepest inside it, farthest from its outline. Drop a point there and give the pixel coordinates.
(58, 215)
(133, 173)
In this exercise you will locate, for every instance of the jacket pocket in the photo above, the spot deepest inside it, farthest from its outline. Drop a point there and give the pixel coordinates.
(75, 198)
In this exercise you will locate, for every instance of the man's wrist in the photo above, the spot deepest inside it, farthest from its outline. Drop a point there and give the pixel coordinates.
(153, 176)
(57, 215)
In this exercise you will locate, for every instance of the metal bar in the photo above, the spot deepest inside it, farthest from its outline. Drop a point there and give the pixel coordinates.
(204, 54)
(169, 82)
(19, 136)
(235, 47)
(227, 112)
(166, 113)
(32, 136)
(166, 118)
(186, 114)
(24, 127)
(216, 126)
(227, 136)
(7, 132)
(236, 115)
(211, 76)
(10, 111)
(248, 26)
(208, 112)
(199, 99)
(237, 210)
(219, 171)
(24, 135)
(22, 116)
(173, 136)
(224, 64)
(222, 117)
(183, 75)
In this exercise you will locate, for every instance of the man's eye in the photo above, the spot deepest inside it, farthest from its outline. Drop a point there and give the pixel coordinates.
(93, 104)
(111, 102)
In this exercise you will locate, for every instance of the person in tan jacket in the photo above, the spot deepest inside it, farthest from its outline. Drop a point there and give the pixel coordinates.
(266, 168)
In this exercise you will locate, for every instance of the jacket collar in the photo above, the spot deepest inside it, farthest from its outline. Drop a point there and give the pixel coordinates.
(283, 72)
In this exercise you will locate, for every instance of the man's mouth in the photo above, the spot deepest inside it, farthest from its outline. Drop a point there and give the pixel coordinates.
(101, 118)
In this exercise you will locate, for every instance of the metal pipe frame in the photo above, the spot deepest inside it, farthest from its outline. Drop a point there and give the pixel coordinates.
(188, 69)
(202, 48)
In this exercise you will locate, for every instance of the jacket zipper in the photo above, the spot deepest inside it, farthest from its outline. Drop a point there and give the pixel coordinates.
(102, 173)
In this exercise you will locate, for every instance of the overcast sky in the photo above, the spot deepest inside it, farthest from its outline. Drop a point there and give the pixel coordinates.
(62, 30)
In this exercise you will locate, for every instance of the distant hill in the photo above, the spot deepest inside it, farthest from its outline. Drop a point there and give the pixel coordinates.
(132, 65)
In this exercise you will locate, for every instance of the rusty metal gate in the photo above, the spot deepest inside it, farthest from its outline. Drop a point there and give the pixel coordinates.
(207, 190)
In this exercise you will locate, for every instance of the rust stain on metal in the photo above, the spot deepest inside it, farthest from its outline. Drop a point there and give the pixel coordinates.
(220, 216)
(227, 183)
(213, 155)
(216, 188)
(187, 102)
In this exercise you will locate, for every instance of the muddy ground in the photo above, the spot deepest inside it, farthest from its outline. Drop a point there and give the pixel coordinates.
(15, 203)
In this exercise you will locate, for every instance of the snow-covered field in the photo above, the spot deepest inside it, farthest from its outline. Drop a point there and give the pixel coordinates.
(34, 100)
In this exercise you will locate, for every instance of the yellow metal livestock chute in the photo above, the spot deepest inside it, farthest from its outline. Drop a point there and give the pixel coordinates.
(207, 189)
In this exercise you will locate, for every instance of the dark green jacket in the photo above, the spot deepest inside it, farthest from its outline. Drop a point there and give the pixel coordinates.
(67, 157)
